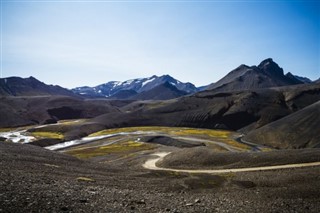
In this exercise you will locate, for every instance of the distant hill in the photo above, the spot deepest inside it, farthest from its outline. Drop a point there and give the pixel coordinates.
(266, 74)
(27, 110)
(138, 85)
(298, 130)
(16, 86)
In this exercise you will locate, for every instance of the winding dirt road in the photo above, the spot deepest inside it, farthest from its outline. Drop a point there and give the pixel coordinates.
(151, 164)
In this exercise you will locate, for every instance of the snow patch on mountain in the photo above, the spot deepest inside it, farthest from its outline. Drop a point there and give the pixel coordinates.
(148, 81)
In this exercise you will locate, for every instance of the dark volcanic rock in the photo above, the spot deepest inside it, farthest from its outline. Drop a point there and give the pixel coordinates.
(298, 130)
(65, 112)
(46, 142)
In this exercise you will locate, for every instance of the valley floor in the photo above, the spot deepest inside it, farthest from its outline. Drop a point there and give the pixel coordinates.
(33, 179)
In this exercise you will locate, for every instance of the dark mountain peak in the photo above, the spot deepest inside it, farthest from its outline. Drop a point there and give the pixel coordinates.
(17, 86)
(271, 67)
(167, 77)
(289, 74)
(265, 61)
(33, 78)
(266, 74)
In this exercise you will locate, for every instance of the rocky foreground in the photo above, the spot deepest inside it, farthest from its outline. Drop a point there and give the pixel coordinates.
(33, 179)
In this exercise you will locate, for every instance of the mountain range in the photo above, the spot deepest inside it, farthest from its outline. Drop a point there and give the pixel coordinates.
(131, 88)
(259, 101)
(266, 74)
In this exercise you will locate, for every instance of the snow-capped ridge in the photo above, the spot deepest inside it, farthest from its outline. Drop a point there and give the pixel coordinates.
(138, 85)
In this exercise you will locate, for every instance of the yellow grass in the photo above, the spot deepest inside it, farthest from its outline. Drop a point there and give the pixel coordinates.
(131, 129)
(53, 135)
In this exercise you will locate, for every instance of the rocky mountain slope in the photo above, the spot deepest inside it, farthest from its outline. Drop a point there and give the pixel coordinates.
(266, 74)
(139, 85)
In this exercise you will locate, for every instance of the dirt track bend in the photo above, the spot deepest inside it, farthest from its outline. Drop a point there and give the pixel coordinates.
(151, 164)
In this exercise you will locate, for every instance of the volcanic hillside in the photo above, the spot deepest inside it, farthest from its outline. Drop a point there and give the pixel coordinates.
(298, 130)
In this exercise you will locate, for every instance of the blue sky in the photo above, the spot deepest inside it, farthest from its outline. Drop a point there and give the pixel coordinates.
(77, 43)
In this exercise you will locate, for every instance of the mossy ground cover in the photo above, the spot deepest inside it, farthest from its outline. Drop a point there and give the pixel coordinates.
(7, 129)
(51, 135)
(178, 131)
(122, 148)
(207, 134)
